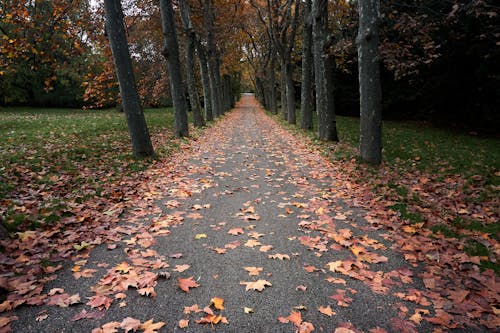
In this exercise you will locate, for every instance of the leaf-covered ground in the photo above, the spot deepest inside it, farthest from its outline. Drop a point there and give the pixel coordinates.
(249, 229)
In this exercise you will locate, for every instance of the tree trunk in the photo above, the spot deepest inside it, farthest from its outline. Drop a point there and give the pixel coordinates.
(212, 61)
(171, 54)
(139, 134)
(228, 93)
(290, 93)
(306, 120)
(205, 82)
(273, 103)
(370, 90)
(331, 118)
(327, 129)
(190, 42)
(284, 108)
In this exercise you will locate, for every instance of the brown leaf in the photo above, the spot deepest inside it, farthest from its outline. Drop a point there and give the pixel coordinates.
(258, 285)
(252, 243)
(183, 323)
(185, 284)
(100, 302)
(253, 271)
(279, 256)
(181, 268)
(130, 324)
(326, 311)
(265, 248)
(192, 308)
(236, 231)
(150, 327)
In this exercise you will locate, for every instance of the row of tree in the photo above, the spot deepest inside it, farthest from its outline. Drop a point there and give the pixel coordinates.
(439, 59)
(217, 91)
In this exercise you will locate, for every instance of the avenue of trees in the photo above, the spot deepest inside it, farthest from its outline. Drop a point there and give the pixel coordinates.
(420, 59)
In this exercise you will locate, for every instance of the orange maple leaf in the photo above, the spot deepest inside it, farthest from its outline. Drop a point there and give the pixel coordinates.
(218, 303)
(185, 284)
(326, 310)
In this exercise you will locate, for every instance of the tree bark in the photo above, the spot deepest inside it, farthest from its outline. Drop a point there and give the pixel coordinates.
(190, 42)
(205, 81)
(370, 90)
(171, 54)
(327, 129)
(214, 75)
(139, 134)
(290, 93)
(273, 103)
(306, 119)
(284, 108)
(228, 92)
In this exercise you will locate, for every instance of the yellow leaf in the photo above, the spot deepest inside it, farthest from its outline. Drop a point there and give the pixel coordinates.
(200, 236)
(218, 303)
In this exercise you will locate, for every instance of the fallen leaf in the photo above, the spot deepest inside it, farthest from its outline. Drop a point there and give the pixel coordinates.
(183, 323)
(236, 231)
(130, 324)
(247, 310)
(253, 271)
(192, 308)
(279, 256)
(200, 236)
(252, 243)
(212, 319)
(326, 311)
(181, 268)
(301, 288)
(265, 248)
(258, 285)
(151, 327)
(185, 284)
(218, 303)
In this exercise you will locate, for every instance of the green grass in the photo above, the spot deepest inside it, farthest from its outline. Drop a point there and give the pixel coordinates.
(66, 155)
(421, 146)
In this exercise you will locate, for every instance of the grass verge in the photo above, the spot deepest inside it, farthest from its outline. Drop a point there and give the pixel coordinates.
(445, 181)
(52, 158)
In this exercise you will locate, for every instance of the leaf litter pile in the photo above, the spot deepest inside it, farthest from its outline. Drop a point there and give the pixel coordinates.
(220, 238)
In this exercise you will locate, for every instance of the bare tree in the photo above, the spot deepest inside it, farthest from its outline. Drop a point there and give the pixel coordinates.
(370, 90)
(139, 134)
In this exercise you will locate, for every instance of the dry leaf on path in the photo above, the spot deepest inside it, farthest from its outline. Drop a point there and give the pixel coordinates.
(181, 268)
(326, 310)
(151, 327)
(253, 271)
(183, 323)
(130, 324)
(185, 284)
(258, 285)
(218, 303)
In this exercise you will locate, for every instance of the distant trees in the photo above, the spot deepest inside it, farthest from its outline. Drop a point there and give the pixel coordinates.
(43, 52)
